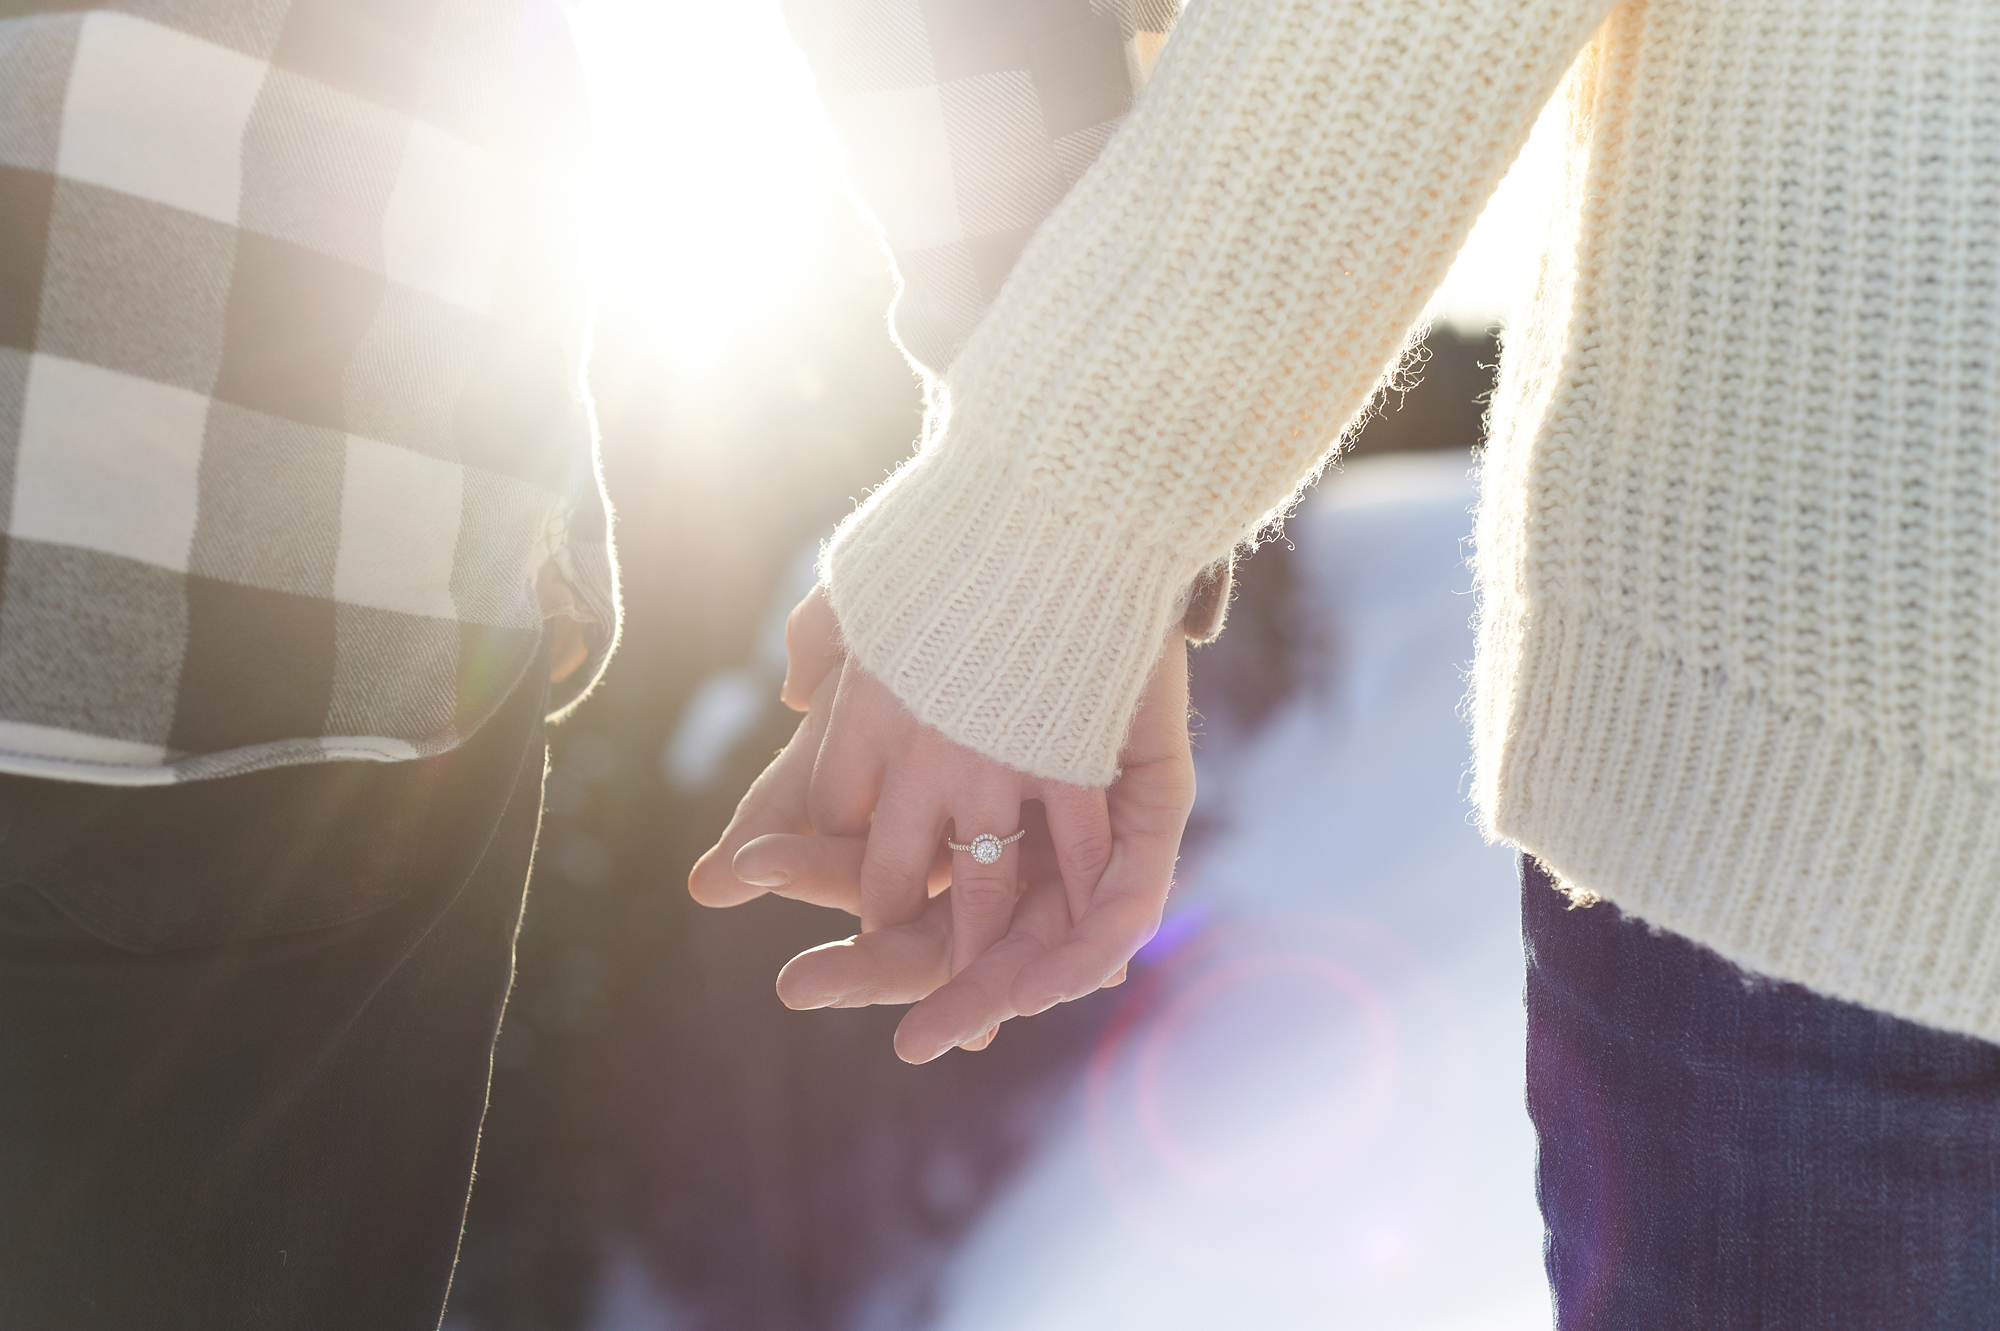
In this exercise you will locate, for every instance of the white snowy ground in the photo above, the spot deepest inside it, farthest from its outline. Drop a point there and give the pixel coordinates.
(1309, 1116)
(1314, 1117)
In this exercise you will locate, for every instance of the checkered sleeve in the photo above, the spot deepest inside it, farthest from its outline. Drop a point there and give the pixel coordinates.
(295, 450)
(963, 123)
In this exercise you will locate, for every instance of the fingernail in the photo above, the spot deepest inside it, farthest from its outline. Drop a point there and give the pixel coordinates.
(766, 880)
(801, 1001)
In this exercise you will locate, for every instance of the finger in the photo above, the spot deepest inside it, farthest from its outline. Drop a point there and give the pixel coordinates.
(978, 998)
(1124, 914)
(1149, 807)
(983, 890)
(899, 965)
(813, 648)
(1160, 726)
(847, 773)
(901, 848)
(822, 870)
(1080, 826)
(775, 802)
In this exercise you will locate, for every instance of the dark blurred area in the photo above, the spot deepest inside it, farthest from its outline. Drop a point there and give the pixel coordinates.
(653, 1103)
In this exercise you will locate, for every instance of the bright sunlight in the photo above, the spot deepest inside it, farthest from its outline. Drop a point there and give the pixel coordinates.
(709, 138)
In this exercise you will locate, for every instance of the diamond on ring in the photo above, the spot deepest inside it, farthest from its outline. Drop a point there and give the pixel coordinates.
(985, 848)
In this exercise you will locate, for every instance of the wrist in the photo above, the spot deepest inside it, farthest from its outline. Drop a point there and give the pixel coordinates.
(1014, 629)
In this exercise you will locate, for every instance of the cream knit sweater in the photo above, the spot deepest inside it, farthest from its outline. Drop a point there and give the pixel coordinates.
(1739, 664)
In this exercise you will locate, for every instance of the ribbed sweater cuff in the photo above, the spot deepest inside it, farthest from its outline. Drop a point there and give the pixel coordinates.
(1014, 629)
(1793, 848)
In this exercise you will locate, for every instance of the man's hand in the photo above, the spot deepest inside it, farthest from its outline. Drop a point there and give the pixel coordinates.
(1148, 807)
(878, 788)
(906, 788)
(881, 774)
(1046, 954)
(911, 963)
(775, 803)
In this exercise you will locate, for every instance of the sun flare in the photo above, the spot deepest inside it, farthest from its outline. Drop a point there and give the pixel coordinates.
(712, 154)
(709, 141)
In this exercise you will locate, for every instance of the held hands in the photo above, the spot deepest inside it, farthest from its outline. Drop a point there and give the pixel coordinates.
(1056, 916)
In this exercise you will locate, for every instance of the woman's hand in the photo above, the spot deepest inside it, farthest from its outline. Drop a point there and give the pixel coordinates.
(1047, 954)
(882, 775)
(879, 788)
(905, 787)
(911, 963)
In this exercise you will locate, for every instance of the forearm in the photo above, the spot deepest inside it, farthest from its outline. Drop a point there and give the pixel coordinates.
(1177, 350)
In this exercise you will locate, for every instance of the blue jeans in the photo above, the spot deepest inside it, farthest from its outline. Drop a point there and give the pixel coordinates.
(1721, 1151)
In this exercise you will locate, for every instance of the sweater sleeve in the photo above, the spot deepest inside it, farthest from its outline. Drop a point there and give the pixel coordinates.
(1177, 351)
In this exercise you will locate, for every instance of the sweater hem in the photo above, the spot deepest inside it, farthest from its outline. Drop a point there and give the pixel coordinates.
(1792, 847)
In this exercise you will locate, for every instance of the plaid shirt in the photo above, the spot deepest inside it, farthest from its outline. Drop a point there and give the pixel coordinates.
(294, 442)
(963, 123)
(296, 449)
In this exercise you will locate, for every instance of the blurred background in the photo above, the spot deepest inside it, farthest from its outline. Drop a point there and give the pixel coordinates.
(1305, 1108)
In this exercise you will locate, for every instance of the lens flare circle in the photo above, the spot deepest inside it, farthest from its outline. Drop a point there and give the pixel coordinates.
(1342, 1124)
(1343, 1192)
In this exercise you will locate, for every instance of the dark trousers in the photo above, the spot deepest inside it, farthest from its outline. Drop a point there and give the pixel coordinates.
(246, 1030)
(1723, 1151)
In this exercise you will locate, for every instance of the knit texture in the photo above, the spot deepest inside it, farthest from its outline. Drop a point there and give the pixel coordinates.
(1739, 542)
(1174, 352)
(1740, 658)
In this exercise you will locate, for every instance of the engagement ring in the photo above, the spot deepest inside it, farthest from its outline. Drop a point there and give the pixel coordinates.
(986, 847)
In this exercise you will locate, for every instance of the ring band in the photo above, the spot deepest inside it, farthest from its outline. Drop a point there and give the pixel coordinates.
(985, 847)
